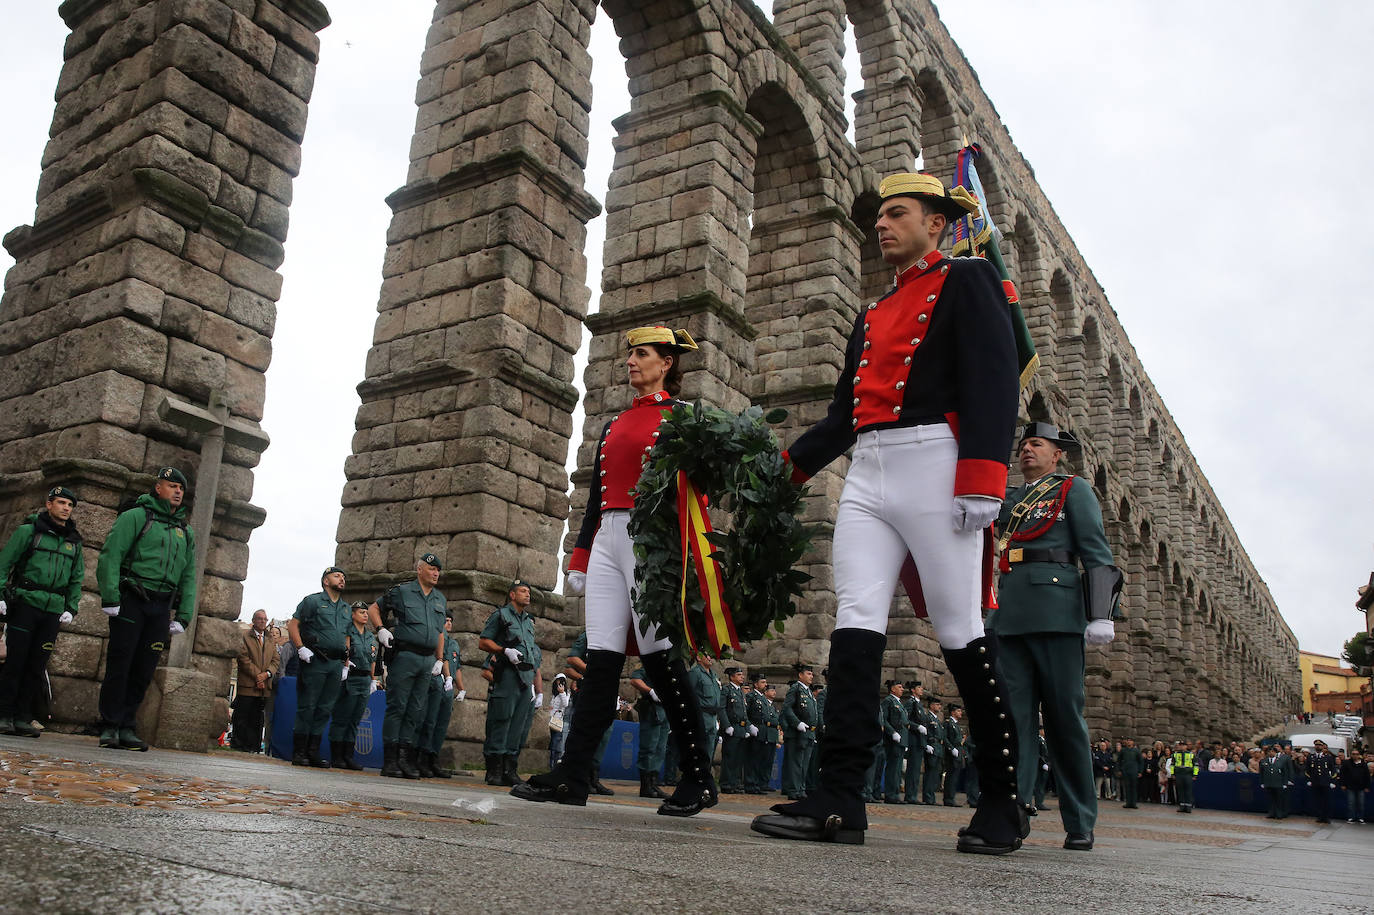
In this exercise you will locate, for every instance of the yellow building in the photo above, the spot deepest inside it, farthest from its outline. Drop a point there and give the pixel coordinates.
(1322, 674)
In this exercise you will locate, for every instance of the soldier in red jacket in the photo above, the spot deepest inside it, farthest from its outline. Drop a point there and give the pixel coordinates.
(928, 399)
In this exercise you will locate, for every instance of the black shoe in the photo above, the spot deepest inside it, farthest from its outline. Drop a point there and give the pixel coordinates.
(598, 788)
(495, 766)
(405, 758)
(440, 771)
(695, 787)
(953, 804)
(1131, 806)
(1031, 811)
(512, 771)
(6, 725)
(342, 752)
(892, 800)
(648, 786)
(807, 828)
(128, 740)
(422, 764)
(109, 738)
(391, 764)
(298, 755)
(911, 802)
(1077, 841)
(553, 787)
(23, 728)
(312, 750)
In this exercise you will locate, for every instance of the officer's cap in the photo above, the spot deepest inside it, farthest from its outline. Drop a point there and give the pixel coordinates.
(954, 706)
(518, 583)
(1052, 434)
(758, 675)
(912, 684)
(801, 668)
(359, 605)
(171, 475)
(330, 571)
(677, 340)
(932, 700)
(432, 560)
(731, 671)
(954, 204)
(61, 492)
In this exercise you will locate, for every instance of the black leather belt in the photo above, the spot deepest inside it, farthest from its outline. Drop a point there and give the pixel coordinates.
(1020, 555)
(359, 672)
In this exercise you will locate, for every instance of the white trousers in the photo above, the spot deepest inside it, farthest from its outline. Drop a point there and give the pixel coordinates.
(610, 578)
(899, 499)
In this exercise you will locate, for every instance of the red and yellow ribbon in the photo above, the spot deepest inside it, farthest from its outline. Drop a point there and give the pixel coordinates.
(693, 526)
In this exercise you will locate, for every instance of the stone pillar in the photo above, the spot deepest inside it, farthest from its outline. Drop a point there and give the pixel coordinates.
(151, 269)
(814, 29)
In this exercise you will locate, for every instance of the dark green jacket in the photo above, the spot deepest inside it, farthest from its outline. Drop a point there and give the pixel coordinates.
(362, 648)
(1039, 597)
(771, 729)
(800, 708)
(754, 701)
(1276, 772)
(324, 624)
(954, 740)
(453, 655)
(706, 688)
(163, 560)
(1131, 762)
(511, 629)
(415, 619)
(894, 720)
(935, 733)
(736, 709)
(51, 578)
(651, 714)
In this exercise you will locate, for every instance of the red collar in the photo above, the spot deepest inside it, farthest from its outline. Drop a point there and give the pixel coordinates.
(918, 268)
(657, 397)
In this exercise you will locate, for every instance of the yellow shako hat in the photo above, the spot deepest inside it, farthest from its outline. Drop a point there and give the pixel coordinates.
(680, 340)
(954, 204)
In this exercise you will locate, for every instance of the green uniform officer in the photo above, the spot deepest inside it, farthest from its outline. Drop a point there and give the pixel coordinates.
(799, 720)
(414, 653)
(1048, 526)
(445, 688)
(1185, 770)
(813, 768)
(41, 568)
(935, 751)
(756, 751)
(319, 632)
(955, 754)
(916, 741)
(518, 689)
(359, 673)
(895, 739)
(577, 668)
(770, 736)
(704, 684)
(147, 567)
(653, 734)
(734, 751)
(1131, 764)
(1276, 775)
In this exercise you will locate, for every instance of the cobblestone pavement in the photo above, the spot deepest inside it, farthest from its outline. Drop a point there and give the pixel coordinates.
(84, 829)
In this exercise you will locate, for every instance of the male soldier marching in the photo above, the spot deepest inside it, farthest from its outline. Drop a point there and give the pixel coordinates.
(360, 667)
(733, 752)
(799, 719)
(147, 561)
(416, 610)
(40, 569)
(319, 631)
(1048, 525)
(518, 688)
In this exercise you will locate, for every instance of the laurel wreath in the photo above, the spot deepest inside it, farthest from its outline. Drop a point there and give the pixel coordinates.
(736, 462)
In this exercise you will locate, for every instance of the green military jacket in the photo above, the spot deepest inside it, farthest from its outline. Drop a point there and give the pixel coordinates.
(1131, 762)
(579, 646)
(799, 707)
(324, 624)
(771, 729)
(452, 654)
(754, 701)
(416, 619)
(706, 688)
(894, 720)
(511, 629)
(935, 733)
(1277, 772)
(1036, 597)
(362, 648)
(736, 709)
(820, 708)
(161, 560)
(954, 740)
(915, 716)
(50, 580)
(650, 713)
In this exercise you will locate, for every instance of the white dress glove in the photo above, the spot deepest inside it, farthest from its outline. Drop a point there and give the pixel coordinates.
(437, 669)
(577, 582)
(1100, 632)
(538, 700)
(654, 696)
(372, 688)
(384, 637)
(65, 618)
(730, 732)
(305, 654)
(110, 611)
(343, 672)
(460, 695)
(974, 513)
(3, 607)
(921, 728)
(801, 727)
(930, 749)
(896, 738)
(955, 752)
(513, 655)
(176, 628)
(448, 684)
(753, 730)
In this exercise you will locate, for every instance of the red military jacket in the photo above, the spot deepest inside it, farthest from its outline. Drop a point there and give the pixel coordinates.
(937, 347)
(626, 441)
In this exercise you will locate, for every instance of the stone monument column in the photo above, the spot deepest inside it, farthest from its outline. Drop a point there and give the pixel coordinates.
(150, 271)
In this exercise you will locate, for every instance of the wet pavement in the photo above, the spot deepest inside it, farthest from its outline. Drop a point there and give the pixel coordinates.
(84, 830)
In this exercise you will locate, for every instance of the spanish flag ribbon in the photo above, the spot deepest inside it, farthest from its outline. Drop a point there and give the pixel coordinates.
(693, 526)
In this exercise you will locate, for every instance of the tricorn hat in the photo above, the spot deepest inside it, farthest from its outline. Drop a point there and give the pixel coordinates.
(679, 340)
(1051, 433)
(954, 204)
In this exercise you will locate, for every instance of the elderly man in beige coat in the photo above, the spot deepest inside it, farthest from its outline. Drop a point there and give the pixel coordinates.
(258, 662)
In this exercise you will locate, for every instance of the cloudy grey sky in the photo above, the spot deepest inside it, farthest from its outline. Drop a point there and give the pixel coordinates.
(1205, 158)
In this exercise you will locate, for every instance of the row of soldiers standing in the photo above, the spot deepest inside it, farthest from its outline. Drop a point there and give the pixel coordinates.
(934, 750)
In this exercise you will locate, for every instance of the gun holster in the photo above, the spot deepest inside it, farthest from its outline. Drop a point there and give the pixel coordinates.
(1102, 591)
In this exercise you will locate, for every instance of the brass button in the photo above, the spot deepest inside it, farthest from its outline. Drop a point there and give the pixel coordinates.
(1055, 580)
(863, 363)
(856, 379)
(603, 488)
(915, 341)
(604, 503)
(931, 297)
(906, 361)
(897, 409)
(922, 319)
(603, 473)
(867, 344)
(900, 385)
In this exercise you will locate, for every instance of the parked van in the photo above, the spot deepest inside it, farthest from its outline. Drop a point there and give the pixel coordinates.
(1308, 742)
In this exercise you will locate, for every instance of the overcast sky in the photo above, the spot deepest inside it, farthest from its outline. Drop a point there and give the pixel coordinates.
(1204, 157)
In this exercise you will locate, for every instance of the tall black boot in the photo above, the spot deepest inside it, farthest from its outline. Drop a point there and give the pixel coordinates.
(405, 758)
(343, 756)
(1000, 822)
(512, 770)
(593, 710)
(696, 789)
(440, 770)
(312, 749)
(495, 769)
(834, 812)
(299, 757)
(422, 763)
(391, 766)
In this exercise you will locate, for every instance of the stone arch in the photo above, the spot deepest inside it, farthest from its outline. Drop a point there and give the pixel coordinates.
(939, 140)
(1123, 510)
(1065, 311)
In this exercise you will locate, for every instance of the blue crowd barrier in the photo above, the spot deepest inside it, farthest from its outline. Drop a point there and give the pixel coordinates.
(367, 749)
(621, 759)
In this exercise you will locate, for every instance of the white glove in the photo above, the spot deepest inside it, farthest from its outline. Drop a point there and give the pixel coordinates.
(460, 695)
(896, 738)
(437, 669)
(66, 616)
(956, 753)
(921, 728)
(343, 673)
(930, 749)
(654, 696)
(753, 730)
(305, 654)
(110, 611)
(576, 582)
(3, 607)
(372, 687)
(384, 637)
(1333, 784)
(1045, 766)
(1099, 632)
(448, 684)
(539, 700)
(176, 628)
(801, 727)
(730, 732)
(720, 740)
(974, 513)
(513, 656)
